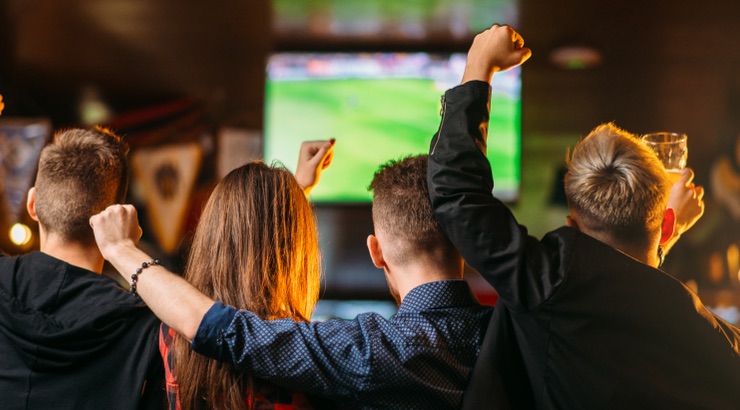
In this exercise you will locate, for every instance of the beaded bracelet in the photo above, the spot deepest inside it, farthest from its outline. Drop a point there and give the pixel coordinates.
(135, 276)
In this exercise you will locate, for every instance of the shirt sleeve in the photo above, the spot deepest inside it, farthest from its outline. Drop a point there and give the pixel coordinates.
(209, 339)
(519, 267)
(332, 358)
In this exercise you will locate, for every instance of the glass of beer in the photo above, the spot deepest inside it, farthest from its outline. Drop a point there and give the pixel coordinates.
(672, 150)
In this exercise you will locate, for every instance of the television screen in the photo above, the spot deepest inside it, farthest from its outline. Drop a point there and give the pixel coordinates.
(378, 107)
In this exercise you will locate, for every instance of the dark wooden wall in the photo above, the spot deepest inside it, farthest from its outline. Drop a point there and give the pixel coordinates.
(667, 65)
(137, 52)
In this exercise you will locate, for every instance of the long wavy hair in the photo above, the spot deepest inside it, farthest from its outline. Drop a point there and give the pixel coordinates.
(255, 248)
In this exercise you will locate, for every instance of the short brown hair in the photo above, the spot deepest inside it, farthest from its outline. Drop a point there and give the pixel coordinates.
(617, 184)
(402, 211)
(81, 172)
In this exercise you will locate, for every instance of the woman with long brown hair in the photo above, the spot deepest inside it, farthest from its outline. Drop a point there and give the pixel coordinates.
(255, 247)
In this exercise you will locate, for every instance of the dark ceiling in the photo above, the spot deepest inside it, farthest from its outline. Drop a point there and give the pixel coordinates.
(665, 63)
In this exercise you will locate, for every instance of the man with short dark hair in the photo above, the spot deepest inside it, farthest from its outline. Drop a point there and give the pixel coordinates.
(70, 337)
(405, 230)
(419, 359)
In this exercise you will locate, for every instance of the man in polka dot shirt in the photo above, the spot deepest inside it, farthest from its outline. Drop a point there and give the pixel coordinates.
(421, 358)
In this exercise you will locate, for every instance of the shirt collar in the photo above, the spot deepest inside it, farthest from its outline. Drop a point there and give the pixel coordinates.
(441, 294)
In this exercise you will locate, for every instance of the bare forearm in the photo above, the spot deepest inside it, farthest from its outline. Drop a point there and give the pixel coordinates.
(176, 302)
(476, 73)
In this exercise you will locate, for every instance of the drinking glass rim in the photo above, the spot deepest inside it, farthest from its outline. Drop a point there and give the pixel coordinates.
(682, 137)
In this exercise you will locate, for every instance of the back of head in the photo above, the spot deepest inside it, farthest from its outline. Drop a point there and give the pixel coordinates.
(81, 172)
(616, 185)
(255, 247)
(403, 216)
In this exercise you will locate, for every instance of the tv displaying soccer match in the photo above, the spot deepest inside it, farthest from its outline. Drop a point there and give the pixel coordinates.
(378, 107)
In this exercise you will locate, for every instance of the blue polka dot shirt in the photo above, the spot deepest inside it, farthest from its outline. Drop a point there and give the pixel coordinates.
(420, 358)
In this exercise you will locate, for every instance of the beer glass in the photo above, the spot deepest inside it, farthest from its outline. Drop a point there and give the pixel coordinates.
(672, 150)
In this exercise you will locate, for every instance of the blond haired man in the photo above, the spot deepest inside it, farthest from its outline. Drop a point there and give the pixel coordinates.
(585, 311)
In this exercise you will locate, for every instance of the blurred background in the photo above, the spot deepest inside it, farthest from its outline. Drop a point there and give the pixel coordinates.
(185, 81)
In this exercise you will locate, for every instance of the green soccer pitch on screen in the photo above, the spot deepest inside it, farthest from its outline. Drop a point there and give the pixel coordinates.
(378, 107)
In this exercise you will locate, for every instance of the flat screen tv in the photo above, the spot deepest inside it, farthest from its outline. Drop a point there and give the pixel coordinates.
(378, 107)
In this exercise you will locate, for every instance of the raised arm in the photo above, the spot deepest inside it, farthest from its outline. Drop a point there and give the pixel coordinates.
(313, 158)
(177, 303)
(460, 182)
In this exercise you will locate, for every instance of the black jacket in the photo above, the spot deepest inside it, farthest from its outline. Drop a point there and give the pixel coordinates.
(593, 327)
(73, 339)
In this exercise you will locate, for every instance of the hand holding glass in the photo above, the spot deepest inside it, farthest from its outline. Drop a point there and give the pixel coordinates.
(672, 150)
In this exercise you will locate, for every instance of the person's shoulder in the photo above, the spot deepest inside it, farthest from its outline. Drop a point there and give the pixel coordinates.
(29, 257)
(563, 233)
(6, 259)
(31, 268)
(561, 242)
(38, 261)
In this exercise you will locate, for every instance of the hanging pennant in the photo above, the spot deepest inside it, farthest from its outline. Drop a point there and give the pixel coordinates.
(166, 176)
(21, 141)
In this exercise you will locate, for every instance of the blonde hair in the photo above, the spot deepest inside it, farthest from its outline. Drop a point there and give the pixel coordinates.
(255, 248)
(616, 185)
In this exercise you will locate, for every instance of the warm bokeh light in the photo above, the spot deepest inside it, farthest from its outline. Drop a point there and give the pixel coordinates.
(20, 234)
(733, 260)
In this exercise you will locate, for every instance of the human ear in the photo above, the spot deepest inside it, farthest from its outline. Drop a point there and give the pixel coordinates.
(376, 252)
(669, 225)
(571, 223)
(31, 204)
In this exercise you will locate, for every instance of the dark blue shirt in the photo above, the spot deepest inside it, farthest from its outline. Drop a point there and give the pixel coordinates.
(419, 359)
